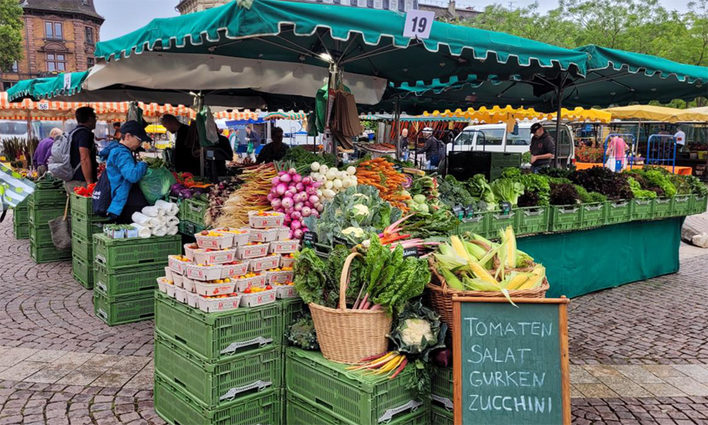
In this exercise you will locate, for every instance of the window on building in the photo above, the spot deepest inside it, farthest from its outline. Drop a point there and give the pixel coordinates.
(53, 30)
(56, 62)
(89, 35)
(14, 66)
(90, 62)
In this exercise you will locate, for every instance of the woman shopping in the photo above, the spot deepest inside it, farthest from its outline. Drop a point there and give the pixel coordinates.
(124, 172)
(616, 154)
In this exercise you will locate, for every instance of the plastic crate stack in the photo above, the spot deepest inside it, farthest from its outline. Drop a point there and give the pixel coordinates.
(323, 392)
(46, 203)
(20, 221)
(125, 273)
(84, 224)
(219, 332)
(191, 216)
(441, 397)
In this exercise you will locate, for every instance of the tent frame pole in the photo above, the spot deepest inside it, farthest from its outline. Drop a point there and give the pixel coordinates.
(396, 127)
(331, 87)
(559, 91)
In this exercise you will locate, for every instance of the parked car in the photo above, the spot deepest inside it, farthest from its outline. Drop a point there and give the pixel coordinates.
(496, 138)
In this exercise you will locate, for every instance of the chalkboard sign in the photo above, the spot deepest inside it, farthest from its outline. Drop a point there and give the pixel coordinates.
(511, 363)
(309, 239)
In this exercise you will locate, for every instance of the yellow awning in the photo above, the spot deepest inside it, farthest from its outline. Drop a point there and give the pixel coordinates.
(657, 113)
(510, 115)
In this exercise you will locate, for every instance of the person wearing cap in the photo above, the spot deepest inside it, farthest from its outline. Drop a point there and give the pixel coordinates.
(124, 172)
(542, 148)
(403, 143)
(433, 149)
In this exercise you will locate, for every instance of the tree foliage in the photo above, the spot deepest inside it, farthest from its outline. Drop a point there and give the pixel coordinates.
(642, 26)
(11, 26)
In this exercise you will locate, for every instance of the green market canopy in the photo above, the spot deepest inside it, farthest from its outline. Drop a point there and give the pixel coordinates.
(272, 46)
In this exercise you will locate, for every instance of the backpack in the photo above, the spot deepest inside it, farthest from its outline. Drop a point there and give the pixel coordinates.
(59, 163)
(102, 195)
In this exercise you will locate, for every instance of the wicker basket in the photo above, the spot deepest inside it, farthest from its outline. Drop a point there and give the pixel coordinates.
(347, 336)
(441, 294)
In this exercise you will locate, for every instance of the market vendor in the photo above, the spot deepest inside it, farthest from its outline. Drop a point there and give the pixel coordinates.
(124, 172)
(403, 143)
(542, 148)
(187, 149)
(434, 149)
(275, 150)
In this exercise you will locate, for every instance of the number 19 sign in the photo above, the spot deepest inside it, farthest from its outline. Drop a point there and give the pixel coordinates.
(418, 24)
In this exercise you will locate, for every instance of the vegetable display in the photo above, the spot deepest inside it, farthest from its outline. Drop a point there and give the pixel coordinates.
(251, 196)
(218, 195)
(482, 265)
(302, 159)
(297, 198)
(380, 174)
(602, 180)
(351, 214)
(332, 180)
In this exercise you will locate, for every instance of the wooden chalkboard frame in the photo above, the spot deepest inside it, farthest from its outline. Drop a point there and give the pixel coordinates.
(457, 348)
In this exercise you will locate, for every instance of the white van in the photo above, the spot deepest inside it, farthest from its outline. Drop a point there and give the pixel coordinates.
(495, 138)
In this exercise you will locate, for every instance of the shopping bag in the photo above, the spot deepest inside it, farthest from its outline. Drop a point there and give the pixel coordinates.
(156, 184)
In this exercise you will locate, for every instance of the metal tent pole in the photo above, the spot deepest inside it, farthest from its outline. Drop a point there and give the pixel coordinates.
(396, 127)
(558, 125)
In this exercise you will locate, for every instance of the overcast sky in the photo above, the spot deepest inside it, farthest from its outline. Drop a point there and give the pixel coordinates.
(124, 16)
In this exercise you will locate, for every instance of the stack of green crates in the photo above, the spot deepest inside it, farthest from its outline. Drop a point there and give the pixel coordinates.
(46, 203)
(20, 221)
(441, 394)
(218, 368)
(323, 392)
(83, 226)
(125, 273)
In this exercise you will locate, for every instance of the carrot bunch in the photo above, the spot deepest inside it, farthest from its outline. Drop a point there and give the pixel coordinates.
(379, 173)
(390, 363)
(251, 196)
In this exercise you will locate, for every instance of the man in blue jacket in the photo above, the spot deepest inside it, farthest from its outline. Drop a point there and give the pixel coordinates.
(124, 172)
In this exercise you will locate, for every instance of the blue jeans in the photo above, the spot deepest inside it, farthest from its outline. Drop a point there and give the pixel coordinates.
(537, 169)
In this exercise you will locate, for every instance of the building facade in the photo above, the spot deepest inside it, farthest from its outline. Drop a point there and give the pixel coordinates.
(59, 36)
(189, 6)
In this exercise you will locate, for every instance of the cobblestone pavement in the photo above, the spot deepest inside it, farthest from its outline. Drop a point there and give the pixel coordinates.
(639, 353)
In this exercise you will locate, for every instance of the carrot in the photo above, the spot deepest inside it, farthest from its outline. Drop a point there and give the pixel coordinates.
(400, 368)
(370, 358)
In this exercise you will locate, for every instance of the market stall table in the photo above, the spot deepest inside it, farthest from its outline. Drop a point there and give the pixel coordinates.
(585, 261)
(684, 171)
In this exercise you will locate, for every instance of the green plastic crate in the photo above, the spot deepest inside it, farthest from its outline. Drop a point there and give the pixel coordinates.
(177, 408)
(499, 221)
(81, 270)
(82, 247)
(698, 204)
(681, 205)
(477, 223)
(135, 251)
(441, 385)
(87, 225)
(49, 195)
(42, 215)
(126, 280)
(618, 212)
(40, 236)
(593, 215)
(565, 217)
(48, 254)
(20, 214)
(124, 309)
(21, 230)
(642, 209)
(214, 384)
(304, 412)
(194, 211)
(81, 205)
(188, 228)
(441, 416)
(291, 310)
(530, 220)
(217, 336)
(353, 396)
(662, 208)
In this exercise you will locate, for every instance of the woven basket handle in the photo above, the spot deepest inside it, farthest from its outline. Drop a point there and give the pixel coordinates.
(344, 280)
(434, 270)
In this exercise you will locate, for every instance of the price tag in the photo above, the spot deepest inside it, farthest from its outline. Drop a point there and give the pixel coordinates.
(410, 252)
(309, 239)
(339, 241)
(418, 24)
(469, 211)
(505, 207)
(458, 211)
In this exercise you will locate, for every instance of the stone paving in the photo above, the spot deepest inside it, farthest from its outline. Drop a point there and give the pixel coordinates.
(639, 353)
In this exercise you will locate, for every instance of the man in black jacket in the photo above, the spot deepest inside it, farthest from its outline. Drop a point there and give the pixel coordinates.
(542, 148)
(187, 151)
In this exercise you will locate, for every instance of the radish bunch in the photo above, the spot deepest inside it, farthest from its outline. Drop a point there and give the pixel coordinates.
(332, 180)
(295, 196)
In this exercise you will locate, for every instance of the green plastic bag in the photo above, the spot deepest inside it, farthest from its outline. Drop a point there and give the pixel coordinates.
(156, 184)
